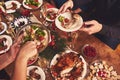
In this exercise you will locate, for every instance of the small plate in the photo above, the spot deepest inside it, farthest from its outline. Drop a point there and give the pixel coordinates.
(9, 5)
(28, 7)
(54, 12)
(4, 26)
(68, 15)
(8, 42)
(38, 71)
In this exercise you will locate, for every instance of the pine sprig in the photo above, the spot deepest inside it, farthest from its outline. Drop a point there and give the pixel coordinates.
(50, 51)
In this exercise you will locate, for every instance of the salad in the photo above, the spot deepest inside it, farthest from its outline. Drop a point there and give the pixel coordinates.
(35, 32)
(32, 3)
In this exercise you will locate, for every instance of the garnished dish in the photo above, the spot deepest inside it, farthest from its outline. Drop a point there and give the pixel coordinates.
(35, 73)
(35, 32)
(32, 4)
(100, 70)
(11, 6)
(51, 14)
(69, 22)
(68, 66)
(5, 43)
(20, 21)
(89, 51)
(3, 27)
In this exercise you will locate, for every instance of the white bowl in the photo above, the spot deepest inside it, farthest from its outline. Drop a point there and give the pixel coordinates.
(39, 71)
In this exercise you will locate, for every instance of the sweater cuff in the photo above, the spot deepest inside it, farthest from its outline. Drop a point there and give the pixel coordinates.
(104, 30)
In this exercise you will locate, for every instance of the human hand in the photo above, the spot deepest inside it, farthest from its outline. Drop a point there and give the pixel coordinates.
(28, 50)
(92, 27)
(65, 6)
(15, 47)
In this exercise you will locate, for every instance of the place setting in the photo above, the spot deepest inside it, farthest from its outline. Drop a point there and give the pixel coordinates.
(59, 56)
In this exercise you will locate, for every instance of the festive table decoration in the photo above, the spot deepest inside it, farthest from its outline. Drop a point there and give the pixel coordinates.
(56, 45)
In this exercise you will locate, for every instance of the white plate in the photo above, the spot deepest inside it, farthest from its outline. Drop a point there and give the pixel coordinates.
(27, 7)
(39, 71)
(54, 61)
(8, 42)
(9, 3)
(69, 16)
(5, 27)
(51, 9)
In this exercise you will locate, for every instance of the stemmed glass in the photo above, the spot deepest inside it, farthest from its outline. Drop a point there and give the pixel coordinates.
(72, 37)
(43, 13)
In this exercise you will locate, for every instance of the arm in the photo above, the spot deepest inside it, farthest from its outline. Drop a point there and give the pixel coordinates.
(112, 31)
(93, 26)
(27, 51)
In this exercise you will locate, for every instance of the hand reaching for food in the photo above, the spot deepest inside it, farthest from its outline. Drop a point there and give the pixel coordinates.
(65, 6)
(28, 50)
(91, 27)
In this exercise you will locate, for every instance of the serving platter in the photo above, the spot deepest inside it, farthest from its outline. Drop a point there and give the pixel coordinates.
(35, 32)
(68, 65)
(102, 70)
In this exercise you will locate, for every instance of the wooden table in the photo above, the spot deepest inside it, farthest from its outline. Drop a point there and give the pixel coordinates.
(104, 52)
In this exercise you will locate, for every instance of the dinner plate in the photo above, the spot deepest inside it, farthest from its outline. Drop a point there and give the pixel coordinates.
(4, 27)
(55, 59)
(28, 7)
(68, 15)
(53, 10)
(8, 42)
(38, 71)
(9, 5)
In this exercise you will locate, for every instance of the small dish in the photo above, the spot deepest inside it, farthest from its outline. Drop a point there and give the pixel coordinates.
(3, 27)
(51, 14)
(12, 5)
(69, 22)
(5, 43)
(89, 51)
(35, 72)
(32, 4)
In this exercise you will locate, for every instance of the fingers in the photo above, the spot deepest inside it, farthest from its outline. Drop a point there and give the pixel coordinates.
(61, 9)
(19, 39)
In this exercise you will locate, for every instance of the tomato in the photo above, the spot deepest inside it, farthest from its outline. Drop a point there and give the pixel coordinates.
(41, 38)
(66, 20)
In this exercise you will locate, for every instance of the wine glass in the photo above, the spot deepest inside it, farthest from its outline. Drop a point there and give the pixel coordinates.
(72, 37)
(43, 13)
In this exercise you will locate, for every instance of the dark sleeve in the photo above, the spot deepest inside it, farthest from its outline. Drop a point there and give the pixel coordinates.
(111, 31)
